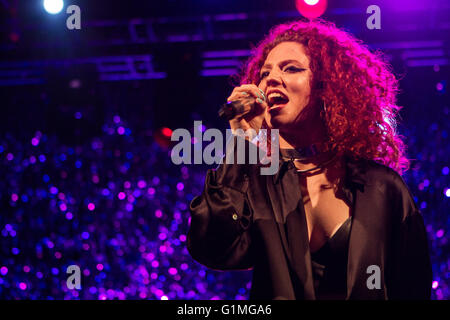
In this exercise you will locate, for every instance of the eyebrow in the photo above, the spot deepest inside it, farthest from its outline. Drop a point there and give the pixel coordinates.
(282, 63)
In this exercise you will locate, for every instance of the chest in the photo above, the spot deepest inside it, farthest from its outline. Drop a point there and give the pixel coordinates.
(324, 212)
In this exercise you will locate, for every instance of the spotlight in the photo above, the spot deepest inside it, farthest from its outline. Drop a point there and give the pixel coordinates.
(311, 9)
(53, 6)
(162, 137)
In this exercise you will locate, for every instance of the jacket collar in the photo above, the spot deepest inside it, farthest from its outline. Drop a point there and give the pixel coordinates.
(355, 173)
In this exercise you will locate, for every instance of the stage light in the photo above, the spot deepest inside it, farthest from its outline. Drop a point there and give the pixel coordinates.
(53, 6)
(162, 137)
(167, 132)
(311, 9)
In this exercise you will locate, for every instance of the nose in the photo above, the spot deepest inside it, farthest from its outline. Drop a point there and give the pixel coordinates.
(273, 78)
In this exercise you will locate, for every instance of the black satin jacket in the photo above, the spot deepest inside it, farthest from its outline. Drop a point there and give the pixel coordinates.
(245, 220)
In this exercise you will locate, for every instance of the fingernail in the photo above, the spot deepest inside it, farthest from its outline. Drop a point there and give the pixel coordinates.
(262, 94)
(245, 93)
(259, 100)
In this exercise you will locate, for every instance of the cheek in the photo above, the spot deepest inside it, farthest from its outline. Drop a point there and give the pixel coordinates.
(300, 88)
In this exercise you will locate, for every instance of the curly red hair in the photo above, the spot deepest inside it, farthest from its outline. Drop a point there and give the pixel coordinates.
(357, 87)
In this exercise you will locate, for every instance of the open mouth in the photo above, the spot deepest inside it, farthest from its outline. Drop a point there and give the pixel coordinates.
(276, 99)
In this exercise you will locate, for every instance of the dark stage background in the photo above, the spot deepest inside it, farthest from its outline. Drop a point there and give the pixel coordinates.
(86, 116)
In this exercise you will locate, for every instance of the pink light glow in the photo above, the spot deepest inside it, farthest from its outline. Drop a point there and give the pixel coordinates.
(173, 271)
(311, 9)
(142, 184)
(435, 284)
(162, 236)
(3, 270)
(35, 141)
(91, 206)
(121, 130)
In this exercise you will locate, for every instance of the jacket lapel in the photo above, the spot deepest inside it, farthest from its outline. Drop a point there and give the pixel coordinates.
(368, 233)
(291, 219)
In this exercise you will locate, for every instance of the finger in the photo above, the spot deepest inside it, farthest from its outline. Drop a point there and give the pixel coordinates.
(261, 104)
(258, 92)
(237, 95)
(249, 88)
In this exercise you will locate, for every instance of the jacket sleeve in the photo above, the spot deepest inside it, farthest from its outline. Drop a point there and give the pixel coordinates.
(412, 275)
(219, 234)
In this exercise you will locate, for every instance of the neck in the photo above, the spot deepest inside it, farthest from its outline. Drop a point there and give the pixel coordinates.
(305, 137)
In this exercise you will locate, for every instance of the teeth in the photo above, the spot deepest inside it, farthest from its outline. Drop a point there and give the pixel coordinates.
(276, 98)
(275, 95)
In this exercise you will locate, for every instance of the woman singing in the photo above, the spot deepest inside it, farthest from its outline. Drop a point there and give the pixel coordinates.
(336, 221)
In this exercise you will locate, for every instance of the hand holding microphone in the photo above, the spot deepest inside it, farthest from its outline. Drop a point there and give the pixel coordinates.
(245, 108)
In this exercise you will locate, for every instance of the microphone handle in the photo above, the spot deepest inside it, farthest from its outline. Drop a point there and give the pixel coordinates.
(231, 109)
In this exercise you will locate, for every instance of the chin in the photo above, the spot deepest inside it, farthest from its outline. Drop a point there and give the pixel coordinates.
(278, 121)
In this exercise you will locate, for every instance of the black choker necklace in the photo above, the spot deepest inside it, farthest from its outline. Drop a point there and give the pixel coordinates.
(304, 152)
(299, 154)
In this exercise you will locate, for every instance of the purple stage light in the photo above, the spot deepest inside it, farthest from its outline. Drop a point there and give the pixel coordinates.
(121, 130)
(35, 141)
(3, 270)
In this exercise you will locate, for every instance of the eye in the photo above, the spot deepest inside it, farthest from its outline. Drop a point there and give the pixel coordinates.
(264, 74)
(293, 69)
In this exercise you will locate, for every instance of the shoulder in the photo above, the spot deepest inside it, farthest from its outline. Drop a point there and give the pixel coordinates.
(384, 176)
(389, 184)
(371, 172)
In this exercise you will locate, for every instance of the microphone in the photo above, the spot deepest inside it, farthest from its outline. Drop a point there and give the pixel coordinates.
(231, 109)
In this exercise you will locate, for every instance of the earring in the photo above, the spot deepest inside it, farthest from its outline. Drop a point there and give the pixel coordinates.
(324, 107)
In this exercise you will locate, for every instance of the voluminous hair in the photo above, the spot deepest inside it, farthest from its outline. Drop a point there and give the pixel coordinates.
(356, 85)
